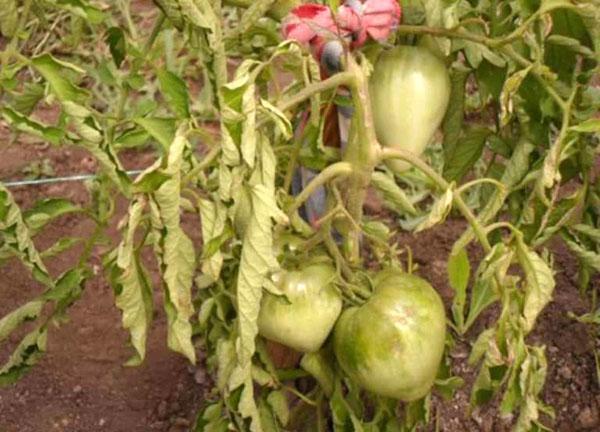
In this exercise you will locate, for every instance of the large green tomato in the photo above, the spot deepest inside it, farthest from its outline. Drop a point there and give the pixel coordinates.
(302, 319)
(393, 344)
(410, 89)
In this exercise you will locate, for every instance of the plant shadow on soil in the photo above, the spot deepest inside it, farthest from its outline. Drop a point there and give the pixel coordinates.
(81, 385)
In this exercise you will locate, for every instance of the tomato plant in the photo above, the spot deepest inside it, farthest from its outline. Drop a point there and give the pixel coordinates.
(480, 111)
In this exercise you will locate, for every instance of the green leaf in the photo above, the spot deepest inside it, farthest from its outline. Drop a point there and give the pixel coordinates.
(115, 37)
(56, 73)
(83, 9)
(27, 354)
(485, 288)
(175, 92)
(132, 287)
(25, 124)
(161, 129)
(459, 270)
(211, 419)
(453, 120)
(60, 246)
(591, 232)
(27, 312)
(25, 102)
(467, 152)
(393, 196)
(480, 346)
(132, 138)
(46, 210)
(589, 258)
(587, 126)
(539, 283)
(279, 404)
(516, 169)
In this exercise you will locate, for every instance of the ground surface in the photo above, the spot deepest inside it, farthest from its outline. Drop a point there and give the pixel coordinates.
(80, 385)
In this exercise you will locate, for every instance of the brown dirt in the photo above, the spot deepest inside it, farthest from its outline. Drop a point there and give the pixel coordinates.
(81, 386)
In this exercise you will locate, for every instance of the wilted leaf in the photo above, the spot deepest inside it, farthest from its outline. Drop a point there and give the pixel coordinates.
(27, 354)
(539, 283)
(17, 238)
(438, 212)
(213, 216)
(393, 196)
(53, 71)
(176, 253)
(511, 87)
(132, 287)
(29, 311)
(9, 17)
(25, 124)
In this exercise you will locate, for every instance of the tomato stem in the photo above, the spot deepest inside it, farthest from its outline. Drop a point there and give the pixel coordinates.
(394, 153)
(363, 153)
(340, 79)
(338, 169)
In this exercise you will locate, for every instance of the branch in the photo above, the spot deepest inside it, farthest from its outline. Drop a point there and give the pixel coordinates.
(391, 153)
(338, 169)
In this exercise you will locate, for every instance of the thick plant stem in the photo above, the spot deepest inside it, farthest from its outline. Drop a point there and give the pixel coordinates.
(363, 154)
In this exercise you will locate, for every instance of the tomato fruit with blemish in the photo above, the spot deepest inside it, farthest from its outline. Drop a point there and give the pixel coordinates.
(304, 315)
(393, 344)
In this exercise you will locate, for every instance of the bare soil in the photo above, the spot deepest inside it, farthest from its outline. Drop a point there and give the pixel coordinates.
(81, 386)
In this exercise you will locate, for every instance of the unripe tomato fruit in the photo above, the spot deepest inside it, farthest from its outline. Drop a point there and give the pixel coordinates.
(302, 319)
(410, 90)
(393, 344)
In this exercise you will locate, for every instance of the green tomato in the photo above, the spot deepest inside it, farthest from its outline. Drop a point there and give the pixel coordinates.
(410, 90)
(302, 319)
(393, 344)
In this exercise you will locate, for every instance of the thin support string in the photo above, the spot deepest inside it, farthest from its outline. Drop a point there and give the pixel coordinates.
(50, 180)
